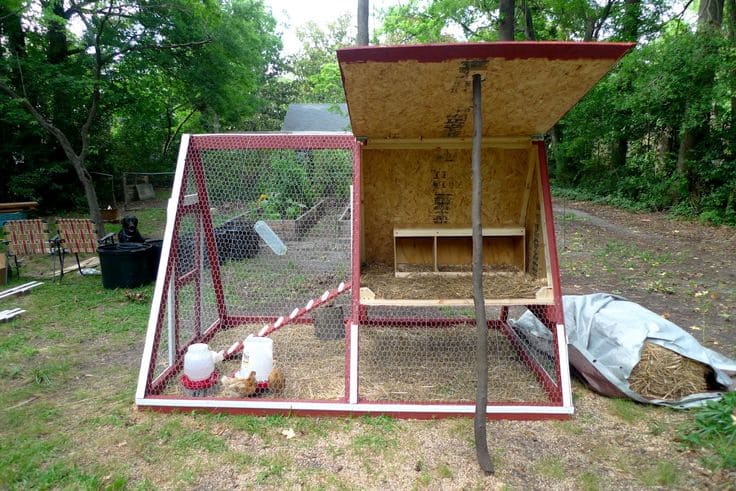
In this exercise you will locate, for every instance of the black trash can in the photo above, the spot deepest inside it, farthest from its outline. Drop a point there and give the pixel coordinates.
(154, 257)
(236, 240)
(125, 265)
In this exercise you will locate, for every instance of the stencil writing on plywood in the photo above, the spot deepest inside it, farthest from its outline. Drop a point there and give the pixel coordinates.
(442, 188)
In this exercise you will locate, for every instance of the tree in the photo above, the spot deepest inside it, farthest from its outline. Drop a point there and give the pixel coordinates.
(363, 9)
(207, 57)
(317, 75)
(695, 127)
(506, 20)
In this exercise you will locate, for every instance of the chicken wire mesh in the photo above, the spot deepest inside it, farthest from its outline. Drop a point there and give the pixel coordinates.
(415, 354)
(226, 279)
(262, 227)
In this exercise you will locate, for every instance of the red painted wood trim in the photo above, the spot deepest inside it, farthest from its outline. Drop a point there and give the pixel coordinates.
(273, 141)
(353, 412)
(355, 264)
(553, 391)
(434, 53)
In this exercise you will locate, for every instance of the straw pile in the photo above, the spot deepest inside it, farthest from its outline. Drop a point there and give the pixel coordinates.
(381, 280)
(664, 374)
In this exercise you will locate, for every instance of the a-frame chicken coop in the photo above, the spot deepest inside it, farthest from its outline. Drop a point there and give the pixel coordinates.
(363, 277)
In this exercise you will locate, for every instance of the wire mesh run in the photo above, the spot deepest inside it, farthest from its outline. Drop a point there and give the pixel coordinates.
(429, 354)
(262, 227)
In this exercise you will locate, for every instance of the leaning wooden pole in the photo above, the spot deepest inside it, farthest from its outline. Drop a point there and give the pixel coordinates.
(481, 326)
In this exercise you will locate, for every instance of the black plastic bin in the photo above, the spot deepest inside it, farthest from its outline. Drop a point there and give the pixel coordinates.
(154, 257)
(125, 265)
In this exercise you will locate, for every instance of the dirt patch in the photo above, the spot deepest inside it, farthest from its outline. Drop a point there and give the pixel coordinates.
(684, 271)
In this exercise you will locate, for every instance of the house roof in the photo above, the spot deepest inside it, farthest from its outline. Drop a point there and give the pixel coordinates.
(425, 91)
(316, 117)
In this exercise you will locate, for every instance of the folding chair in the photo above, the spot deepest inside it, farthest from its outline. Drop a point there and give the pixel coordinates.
(27, 238)
(78, 235)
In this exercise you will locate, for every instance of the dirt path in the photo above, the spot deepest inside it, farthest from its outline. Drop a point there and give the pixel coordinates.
(683, 271)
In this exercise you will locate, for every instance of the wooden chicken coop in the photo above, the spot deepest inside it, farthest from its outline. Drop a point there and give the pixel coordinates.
(399, 279)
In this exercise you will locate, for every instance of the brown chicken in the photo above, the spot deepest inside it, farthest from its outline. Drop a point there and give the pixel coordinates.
(276, 381)
(240, 387)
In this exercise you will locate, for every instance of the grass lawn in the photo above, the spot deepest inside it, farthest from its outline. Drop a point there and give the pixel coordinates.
(68, 370)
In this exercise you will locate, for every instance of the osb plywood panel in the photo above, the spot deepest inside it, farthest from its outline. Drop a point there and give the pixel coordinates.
(413, 99)
(497, 251)
(536, 263)
(414, 188)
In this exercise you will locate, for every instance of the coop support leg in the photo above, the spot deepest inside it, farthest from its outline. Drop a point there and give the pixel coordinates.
(481, 357)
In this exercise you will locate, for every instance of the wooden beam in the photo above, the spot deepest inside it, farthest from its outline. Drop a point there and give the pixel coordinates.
(542, 298)
(430, 143)
(531, 167)
(19, 206)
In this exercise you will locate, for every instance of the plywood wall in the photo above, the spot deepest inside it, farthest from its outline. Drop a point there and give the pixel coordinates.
(415, 188)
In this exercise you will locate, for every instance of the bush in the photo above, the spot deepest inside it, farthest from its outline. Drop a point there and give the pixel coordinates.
(714, 428)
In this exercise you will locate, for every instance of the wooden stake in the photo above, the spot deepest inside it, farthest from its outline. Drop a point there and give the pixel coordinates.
(481, 326)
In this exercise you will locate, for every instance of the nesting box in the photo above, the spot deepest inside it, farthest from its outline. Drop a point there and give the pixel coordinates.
(401, 274)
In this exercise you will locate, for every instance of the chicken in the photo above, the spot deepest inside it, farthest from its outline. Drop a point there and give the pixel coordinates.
(240, 387)
(276, 380)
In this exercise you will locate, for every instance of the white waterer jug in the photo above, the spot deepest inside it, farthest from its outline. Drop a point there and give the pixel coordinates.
(258, 357)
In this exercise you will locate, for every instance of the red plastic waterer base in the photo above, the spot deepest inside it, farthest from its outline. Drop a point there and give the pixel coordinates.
(200, 388)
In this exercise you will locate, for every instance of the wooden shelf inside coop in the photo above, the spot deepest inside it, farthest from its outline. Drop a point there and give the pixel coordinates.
(448, 251)
(381, 286)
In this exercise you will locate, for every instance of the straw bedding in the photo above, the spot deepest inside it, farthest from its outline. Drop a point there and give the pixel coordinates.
(498, 284)
(396, 364)
(664, 374)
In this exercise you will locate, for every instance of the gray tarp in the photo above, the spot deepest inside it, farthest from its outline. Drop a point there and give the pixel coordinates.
(606, 334)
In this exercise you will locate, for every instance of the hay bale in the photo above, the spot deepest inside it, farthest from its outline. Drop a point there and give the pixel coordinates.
(664, 374)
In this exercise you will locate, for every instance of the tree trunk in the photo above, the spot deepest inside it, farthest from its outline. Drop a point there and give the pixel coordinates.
(528, 23)
(77, 160)
(12, 29)
(506, 10)
(555, 136)
(732, 38)
(56, 35)
(631, 22)
(618, 152)
(710, 17)
(684, 152)
(629, 32)
(664, 148)
(363, 10)
(89, 192)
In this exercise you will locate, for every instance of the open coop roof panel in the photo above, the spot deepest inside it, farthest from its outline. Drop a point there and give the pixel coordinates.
(425, 91)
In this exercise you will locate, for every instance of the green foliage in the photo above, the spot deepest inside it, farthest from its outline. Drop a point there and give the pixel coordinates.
(161, 69)
(286, 186)
(655, 94)
(317, 76)
(714, 428)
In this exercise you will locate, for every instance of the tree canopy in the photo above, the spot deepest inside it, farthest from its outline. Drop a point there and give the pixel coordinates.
(109, 85)
(89, 86)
